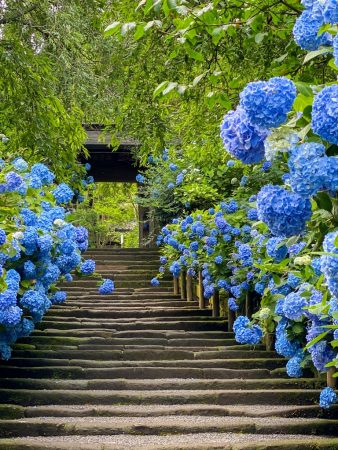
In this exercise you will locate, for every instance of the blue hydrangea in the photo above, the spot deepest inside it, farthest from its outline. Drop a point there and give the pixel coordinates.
(155, 282)
(284, 212)
(13, 280)
(170, 186)
(218, 259)
(163, 259)
(232, 304)
(252, 214)
(328, 397)
(241, 139)
(331, 174)
(13, 181)
(8, 298)
(330, 11)
(230, 207)
(172, 167)
(307, 168)
(244, 180)
(321, 354)
(267, 103)
(29, 270)
(293, 367)
(11, 316)
(36, 303)
(266, 166)
(2, 237)
(306, 28)
(293, 281)
(63, 194)
(59, 297)
(324, 114)
(107, 287)
(20, 164)
(194, 246)
(175, 269)
(41, 171)
(140, 178)
(87, 267)
(293, 307)
(245, 333)
(295, 249)
(276, 249)
(329, 264)
(230, 163)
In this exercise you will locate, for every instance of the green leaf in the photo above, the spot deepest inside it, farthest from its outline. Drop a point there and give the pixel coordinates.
(260, 37)
(160, 88)
(315, 53)
(113, 28)
(316, 339)
(139, 33)
(194, 54)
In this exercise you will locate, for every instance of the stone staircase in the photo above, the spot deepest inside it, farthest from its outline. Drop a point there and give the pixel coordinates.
(143, 369)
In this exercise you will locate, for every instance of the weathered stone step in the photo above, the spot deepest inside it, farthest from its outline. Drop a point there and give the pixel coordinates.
(153, 324)
(162, 425)
(123, 341)
(162, 334)
(20, 412)
(139, 354)
(134, 314)
(192, 441)
(26, 397)
(76, 372)
(160, 384)
(118, 304)
(211, 363)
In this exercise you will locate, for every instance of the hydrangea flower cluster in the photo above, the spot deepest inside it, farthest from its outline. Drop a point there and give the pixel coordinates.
(284, 212)
(241, 139)
(246, 333)
(38, 248)
(324, 114)
(306, 28)
(267, 103)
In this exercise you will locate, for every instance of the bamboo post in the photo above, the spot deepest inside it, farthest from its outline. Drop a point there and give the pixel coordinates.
(231, 319)
(176, 286)
(201, 299)
(183, 285)
(331, 381)
(190, 296)
(215, 304)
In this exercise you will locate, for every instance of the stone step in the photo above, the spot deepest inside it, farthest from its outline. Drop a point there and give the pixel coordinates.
(129, 304)
(160, 384)
(251, 363)
(126, 325)
(160, 334)
(149, 373)
(134, 314)
(105, 426)
(192, 441)
(123, 341)
(20, 412)
(139, 354)
(27, 397)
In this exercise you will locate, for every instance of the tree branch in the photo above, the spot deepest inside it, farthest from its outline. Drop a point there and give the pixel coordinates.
(12, 19)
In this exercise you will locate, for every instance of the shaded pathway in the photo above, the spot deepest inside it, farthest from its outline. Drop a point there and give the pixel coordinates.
(143, 369)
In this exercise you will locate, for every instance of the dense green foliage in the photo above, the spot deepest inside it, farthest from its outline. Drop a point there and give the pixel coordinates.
(109, 212)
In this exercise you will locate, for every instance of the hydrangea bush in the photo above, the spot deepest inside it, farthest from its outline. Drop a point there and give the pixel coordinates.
(39, 247)
(274, 243)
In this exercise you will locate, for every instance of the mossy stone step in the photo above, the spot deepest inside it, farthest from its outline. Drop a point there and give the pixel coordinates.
(160, 384)
(174, 324)
(251, 363)
(76, 372)
(26, 397)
